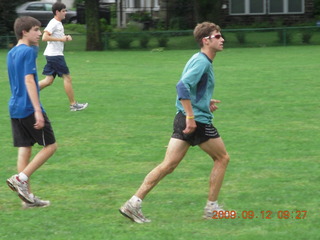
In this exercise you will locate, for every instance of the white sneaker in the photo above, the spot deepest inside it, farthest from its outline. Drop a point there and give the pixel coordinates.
(78, 106)
(20, 187)
(134, 213)
(37, 203)
(215, 211)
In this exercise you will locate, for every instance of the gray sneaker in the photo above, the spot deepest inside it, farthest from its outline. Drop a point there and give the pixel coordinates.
(78, 106)
(37, 203)
(20, 187)
(216, 210)
(134, 213)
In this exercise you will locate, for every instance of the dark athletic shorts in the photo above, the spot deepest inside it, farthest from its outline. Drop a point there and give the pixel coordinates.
(56, 65)
(25, 135)
(202, 133)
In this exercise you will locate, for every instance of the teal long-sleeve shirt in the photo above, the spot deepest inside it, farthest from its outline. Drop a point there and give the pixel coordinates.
(197, 84)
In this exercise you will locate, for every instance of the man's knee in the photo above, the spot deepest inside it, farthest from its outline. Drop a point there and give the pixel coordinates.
(48, 81)
(224, 159)
(52, 147)
(67, 78)
(168, 168)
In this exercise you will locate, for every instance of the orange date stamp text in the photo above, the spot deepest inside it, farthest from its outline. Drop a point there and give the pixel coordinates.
(264, 214)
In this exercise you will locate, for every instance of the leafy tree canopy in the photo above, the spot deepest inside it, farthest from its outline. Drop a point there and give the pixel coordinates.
(8, 14)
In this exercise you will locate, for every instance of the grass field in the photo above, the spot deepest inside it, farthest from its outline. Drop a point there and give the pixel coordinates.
(268, 118)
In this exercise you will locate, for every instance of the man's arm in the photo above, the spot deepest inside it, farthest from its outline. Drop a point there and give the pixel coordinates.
(47, 37)
(190, 122)
(34, 97)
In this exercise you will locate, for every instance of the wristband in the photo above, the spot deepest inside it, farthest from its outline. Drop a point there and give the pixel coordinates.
(190, 117)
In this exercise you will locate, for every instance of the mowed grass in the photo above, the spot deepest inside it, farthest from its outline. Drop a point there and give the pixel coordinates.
(268, 118)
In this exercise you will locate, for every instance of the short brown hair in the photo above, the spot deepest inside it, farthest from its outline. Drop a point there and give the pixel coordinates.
(203, 30)
(24, 23)
(58, 6)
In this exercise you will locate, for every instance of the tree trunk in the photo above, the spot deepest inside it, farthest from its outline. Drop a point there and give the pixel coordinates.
(94, 42)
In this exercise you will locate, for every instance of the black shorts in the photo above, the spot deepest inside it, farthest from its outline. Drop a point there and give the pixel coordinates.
(25, 135)
(202, 133)
(56, 65)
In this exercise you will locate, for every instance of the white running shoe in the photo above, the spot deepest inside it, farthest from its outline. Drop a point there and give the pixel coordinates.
(134, 213)
(215, 210)
(20, 187)
(78, 106)
(37, 203)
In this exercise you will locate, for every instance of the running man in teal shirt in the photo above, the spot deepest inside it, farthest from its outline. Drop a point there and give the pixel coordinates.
(197, 84)
(192, 126)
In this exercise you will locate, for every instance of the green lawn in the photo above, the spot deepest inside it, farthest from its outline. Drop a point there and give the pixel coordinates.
(268, 118)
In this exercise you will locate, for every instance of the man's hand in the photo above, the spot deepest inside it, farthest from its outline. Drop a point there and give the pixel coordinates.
(190, 126)
(68, 38)
(213, 105)
(39, 124)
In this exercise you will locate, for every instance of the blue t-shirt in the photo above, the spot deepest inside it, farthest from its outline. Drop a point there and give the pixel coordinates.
(21, 61)
(197, 84)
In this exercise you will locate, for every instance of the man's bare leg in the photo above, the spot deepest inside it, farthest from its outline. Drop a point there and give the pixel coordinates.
(217, 151)
(47, 81)
(19, 182)
(39, 159)
(175, 152)
(67, 82)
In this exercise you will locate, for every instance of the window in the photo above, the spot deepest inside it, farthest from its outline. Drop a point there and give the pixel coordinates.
(296, 6)
(48, 6)
(241, 7)
(237, 7)
(36, 7)
(258, 7)
(286, 6)
(276, 6)
(137, 4)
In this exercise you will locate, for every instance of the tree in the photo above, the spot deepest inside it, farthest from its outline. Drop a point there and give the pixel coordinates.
(7, 17)
(185, 14)
(94, 42)
(317, 8)
(208, 10)
(8, 14)
(181, 14)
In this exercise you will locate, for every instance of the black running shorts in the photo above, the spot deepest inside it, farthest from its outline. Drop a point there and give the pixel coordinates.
(25, 135)
(202, 133)
(56, 65)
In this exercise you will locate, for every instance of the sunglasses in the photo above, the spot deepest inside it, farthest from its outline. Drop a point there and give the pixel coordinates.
(217, 36)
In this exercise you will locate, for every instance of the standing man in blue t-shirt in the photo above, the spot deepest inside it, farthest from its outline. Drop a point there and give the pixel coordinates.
(192, 125)
(29, 121)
